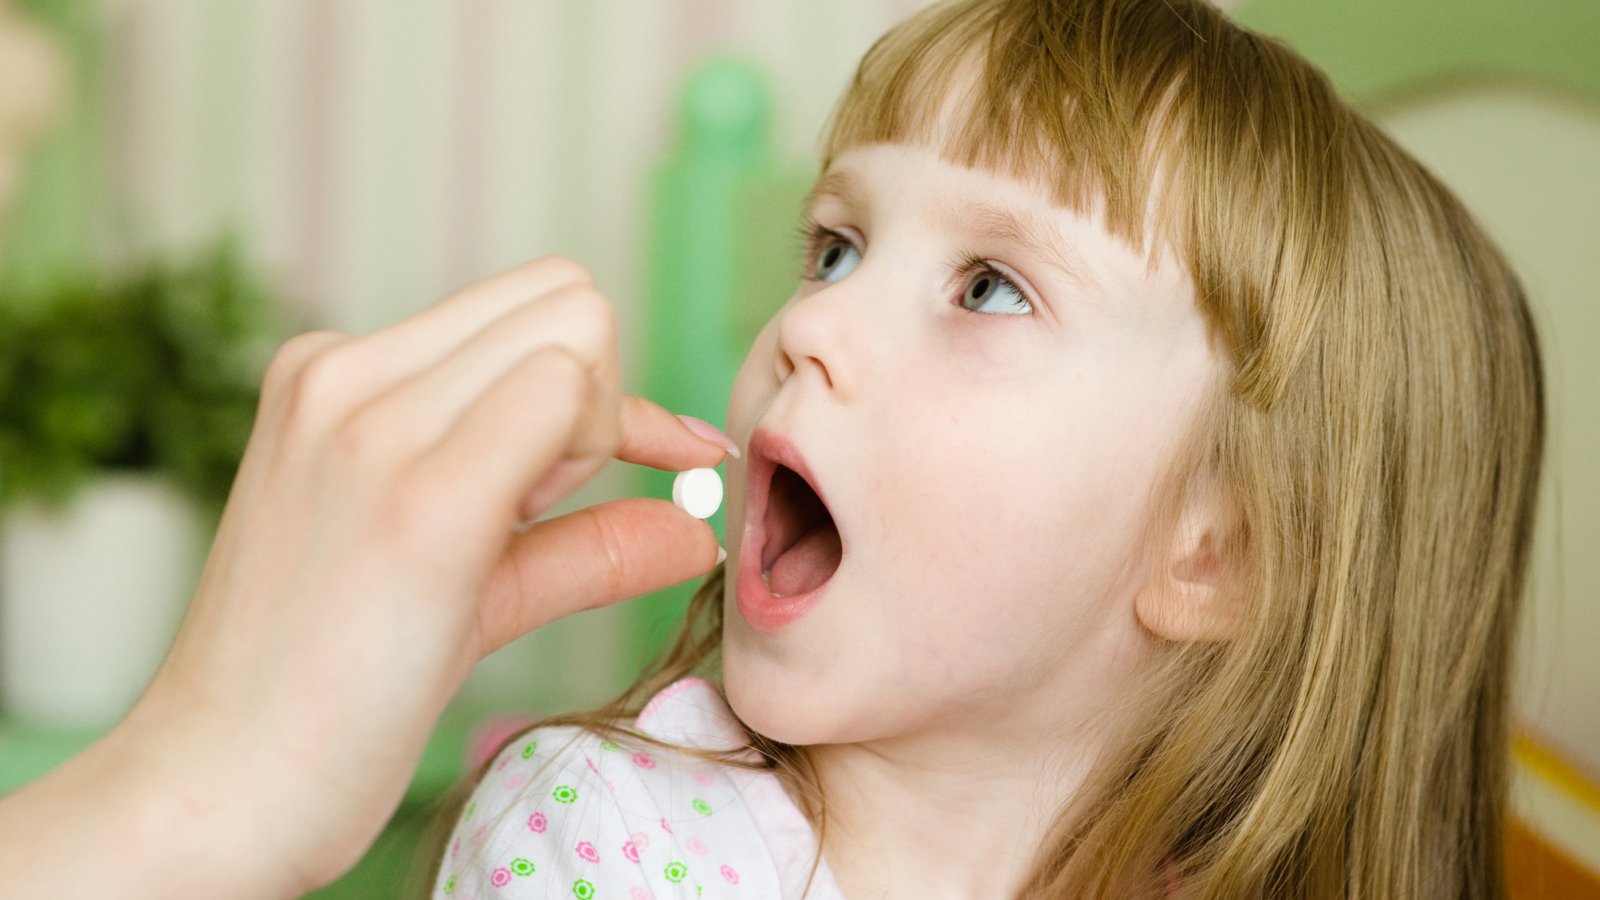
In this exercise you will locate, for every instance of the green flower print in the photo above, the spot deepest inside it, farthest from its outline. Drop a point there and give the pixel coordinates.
(675, 871)
(564, 794)
(470, 807)
(522, 866)
(527, 751)
(702, 807)
(607, 745)
(450, 885)
(583, 890)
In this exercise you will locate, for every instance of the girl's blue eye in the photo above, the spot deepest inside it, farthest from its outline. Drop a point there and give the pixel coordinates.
(986, 285)
(836, 259)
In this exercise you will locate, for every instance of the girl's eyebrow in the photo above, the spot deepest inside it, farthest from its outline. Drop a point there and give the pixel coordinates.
(840, 185)
(981, 220)
(1036, 238)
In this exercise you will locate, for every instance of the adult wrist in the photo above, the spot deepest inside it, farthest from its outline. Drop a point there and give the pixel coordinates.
(196, 810)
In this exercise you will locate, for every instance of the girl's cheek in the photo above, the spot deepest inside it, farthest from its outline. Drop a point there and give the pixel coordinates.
(992, 354)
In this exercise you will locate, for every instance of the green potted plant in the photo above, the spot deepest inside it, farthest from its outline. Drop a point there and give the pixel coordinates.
(126, 400)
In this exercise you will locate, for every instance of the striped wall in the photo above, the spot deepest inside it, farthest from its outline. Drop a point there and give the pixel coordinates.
(383, 152)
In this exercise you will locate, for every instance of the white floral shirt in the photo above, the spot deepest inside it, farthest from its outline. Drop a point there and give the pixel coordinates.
(562, 813)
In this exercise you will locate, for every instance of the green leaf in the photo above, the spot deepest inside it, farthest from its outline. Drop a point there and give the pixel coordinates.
(155, 367)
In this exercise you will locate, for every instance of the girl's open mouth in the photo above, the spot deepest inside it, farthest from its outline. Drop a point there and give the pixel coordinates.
(791, 545)
(802, 549)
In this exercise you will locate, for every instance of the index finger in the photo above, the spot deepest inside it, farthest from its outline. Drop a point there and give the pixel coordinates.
(652, 436)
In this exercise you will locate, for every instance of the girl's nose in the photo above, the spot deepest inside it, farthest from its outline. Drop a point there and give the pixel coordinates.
(810, 337)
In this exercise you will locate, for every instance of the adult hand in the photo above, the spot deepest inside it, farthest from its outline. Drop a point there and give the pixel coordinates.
(371, 553)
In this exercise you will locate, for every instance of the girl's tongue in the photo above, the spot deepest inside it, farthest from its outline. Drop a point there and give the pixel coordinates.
(806, 565)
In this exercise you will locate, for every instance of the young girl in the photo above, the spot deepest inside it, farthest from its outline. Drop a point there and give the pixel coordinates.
(1136, 501)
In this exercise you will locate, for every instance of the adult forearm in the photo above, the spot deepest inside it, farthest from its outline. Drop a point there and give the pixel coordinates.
(119, 821)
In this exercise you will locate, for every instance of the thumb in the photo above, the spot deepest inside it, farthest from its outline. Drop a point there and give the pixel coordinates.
(595, 556)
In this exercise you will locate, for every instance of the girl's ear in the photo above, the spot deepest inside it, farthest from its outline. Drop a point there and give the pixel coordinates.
(1193, 594)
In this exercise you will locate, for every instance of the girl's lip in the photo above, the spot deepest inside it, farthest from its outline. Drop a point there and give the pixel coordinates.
(763, 611)
(767, 450)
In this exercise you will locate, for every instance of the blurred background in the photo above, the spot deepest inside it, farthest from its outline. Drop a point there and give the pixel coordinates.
(186, 183)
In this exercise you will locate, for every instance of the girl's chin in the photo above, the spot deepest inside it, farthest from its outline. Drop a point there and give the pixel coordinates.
(774, 703)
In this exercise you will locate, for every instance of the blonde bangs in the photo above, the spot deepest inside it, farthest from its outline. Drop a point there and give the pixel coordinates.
(1004, 88)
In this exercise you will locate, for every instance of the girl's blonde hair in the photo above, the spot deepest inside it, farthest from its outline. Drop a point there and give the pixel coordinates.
(1379, 430)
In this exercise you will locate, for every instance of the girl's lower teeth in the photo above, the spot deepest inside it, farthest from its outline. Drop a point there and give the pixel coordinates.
(766, 575)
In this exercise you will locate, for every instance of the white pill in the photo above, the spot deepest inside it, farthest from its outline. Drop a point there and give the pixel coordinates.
(698, 492)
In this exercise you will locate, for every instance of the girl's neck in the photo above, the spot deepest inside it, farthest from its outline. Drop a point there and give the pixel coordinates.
(950, 814)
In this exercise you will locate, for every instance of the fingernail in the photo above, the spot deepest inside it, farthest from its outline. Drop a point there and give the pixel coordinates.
(711, 433)
(721, 553)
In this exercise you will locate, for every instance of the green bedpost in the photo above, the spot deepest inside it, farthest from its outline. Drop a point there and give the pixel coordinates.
(690, 343)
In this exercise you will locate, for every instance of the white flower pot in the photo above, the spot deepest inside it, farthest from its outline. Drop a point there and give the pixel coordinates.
(91, 597)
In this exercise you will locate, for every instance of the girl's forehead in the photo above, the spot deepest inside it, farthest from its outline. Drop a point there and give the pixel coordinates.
(858, 172)
(993, 208)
